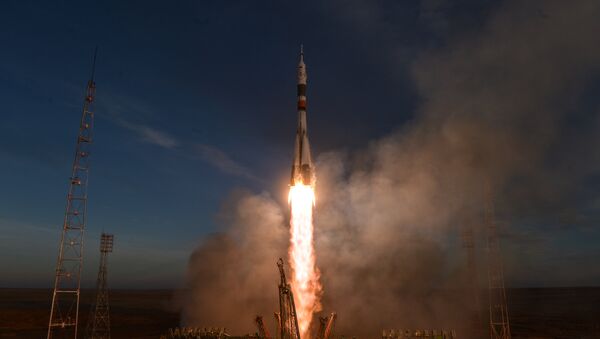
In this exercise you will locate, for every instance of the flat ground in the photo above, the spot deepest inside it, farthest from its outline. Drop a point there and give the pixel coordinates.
(24, 313)
(554, 312)
(534, 313)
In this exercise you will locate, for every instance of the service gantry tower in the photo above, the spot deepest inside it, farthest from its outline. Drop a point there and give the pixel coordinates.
(287, 319)
(64, 314)
(499, 324)
(99, 322)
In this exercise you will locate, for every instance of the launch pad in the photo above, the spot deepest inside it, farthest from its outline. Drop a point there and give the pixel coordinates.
(287, 324)
(286, 321)
(413, 334)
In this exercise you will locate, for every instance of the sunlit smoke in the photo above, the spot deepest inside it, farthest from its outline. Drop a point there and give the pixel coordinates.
(305, 277)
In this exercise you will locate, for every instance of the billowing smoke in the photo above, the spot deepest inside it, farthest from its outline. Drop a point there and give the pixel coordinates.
(500, 105)
(232, 276)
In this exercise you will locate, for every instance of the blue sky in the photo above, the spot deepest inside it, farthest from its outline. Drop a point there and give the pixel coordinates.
(194, 100)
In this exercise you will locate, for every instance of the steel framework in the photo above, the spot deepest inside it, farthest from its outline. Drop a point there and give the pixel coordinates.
(499, 323)
(288, 321)
(99, 322)
(472, 283)
(64, 314)
(262, 329)
(326, 326)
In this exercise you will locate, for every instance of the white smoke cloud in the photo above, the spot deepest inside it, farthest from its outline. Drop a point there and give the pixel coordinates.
(232, 275)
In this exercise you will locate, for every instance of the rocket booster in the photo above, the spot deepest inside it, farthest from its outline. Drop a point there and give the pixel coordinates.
(302, 167)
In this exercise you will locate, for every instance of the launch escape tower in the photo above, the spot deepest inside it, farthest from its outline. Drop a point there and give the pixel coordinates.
(64, 314)
(287, 320)
(99, 322)
(499, 324)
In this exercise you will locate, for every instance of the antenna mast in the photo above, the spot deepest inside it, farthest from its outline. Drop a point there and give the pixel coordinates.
(64, 314)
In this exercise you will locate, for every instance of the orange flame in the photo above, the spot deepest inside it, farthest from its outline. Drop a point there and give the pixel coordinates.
(305, 278)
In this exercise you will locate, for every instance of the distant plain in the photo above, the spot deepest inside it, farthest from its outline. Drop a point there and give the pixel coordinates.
(567, 313)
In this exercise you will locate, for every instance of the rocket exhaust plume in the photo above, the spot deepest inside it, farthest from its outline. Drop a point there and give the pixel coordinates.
(305, 275)
(305, 278)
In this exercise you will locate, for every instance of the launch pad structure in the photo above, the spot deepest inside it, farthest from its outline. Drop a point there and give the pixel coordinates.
(287, 324)
(287, 320)
(326, 326)
(262, 329)
(418, 334)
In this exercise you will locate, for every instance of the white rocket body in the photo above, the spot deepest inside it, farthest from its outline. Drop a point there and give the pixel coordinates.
(302, 167)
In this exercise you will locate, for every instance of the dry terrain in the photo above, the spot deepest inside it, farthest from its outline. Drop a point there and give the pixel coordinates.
(535, 312)
(134, 314)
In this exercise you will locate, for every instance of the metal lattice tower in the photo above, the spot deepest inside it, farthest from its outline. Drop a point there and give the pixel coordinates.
(64, 314)
(468, 244)
(499, 324)
(99, 322)
(288, 321)
(472, 283)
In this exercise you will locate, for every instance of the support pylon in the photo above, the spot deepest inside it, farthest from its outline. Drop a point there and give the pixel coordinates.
(262, 329)
(287, 309)
(499, 324)
(326, 326)
(471, 279)
(99, 322)
(64, 314)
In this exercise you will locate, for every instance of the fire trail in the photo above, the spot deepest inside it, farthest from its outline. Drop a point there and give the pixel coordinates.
(305, 275)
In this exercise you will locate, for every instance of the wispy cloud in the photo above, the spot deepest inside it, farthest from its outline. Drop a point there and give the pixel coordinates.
(207, 153)
(130, 113)
(151, 135)
(222, 161)
(137, 113)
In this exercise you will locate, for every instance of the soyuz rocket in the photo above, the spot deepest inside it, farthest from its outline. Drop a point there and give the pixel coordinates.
(302, 167)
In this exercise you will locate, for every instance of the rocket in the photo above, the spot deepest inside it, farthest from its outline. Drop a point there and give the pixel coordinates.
(302, 167)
